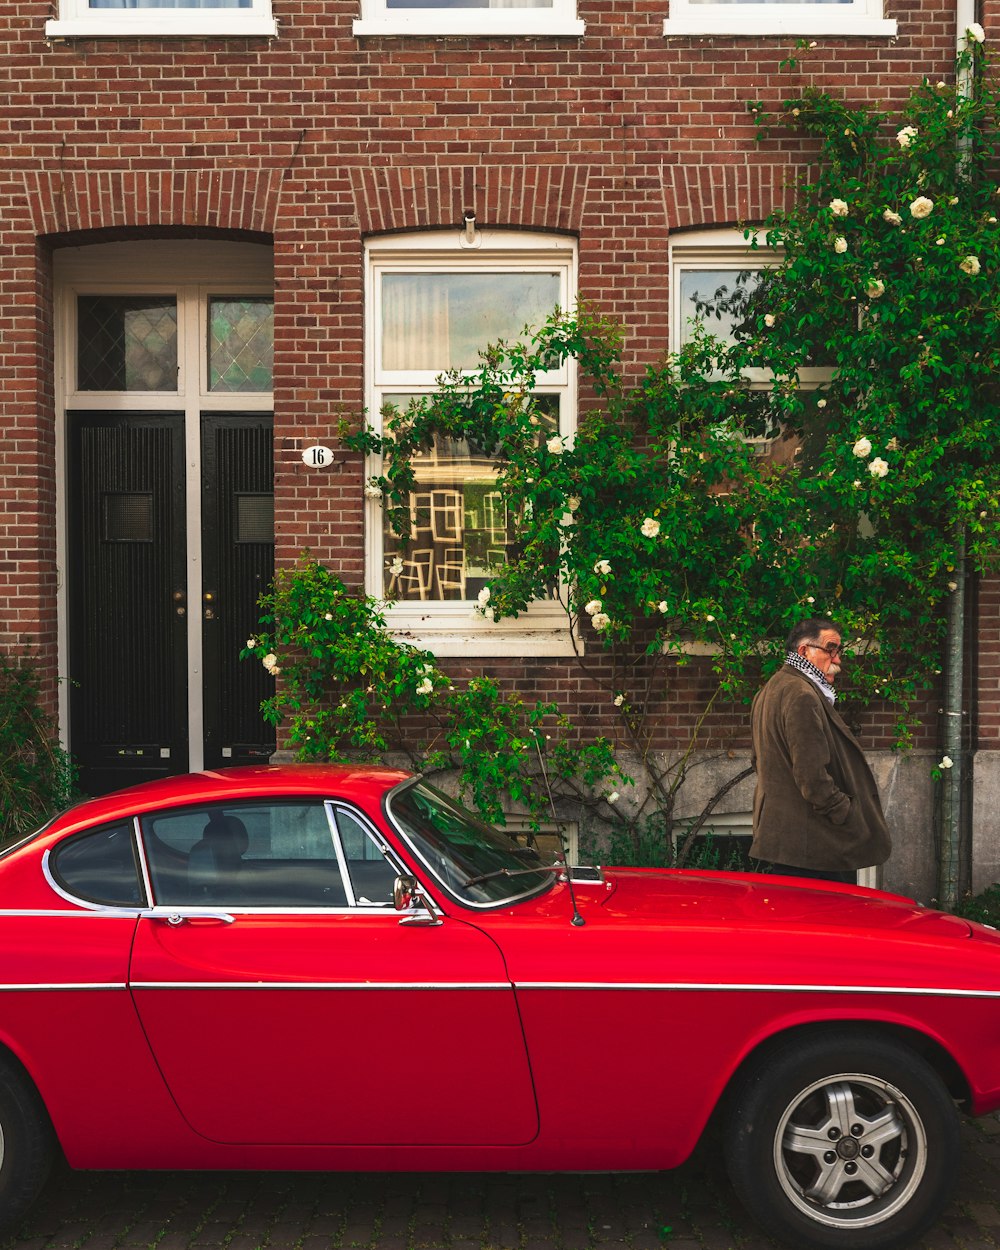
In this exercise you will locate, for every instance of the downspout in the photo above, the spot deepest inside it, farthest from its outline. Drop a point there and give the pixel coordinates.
(950, 867)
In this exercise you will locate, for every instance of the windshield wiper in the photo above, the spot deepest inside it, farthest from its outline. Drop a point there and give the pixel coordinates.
(513, 872)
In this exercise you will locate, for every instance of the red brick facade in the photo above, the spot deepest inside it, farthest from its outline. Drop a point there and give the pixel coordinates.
(318, 139)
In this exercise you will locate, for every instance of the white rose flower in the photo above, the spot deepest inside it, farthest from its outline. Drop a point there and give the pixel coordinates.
(838, 208)
(269, 660)
(251, 643)
(709, 617)
(974, 33)
(489, 613)
(970, 265)
(663, 607)
(820, 403)
(603, 567)
(650, 527)
(946, 762)
(573, 503)
(906, 136)
(426, 686)
(600, 620)
(484, 596)
(614, 796)
(619, 700)
(769, 320)
(921, 207)
(396, 567)
(373, 490)
(875, 288)
(840, 245)
(862, 448)
(892, 218)
(593, 607)
(810, 599)
(878, 467)
(555, 445)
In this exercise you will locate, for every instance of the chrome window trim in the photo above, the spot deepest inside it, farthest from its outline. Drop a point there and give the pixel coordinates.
(321, 985)
(10, 987)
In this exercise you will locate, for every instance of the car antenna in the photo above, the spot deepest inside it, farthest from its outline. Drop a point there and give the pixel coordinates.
(576, 918)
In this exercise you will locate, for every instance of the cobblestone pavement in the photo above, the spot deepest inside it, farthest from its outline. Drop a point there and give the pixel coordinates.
(690, 1209)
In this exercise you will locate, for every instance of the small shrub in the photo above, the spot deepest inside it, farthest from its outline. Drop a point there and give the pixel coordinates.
(984, 907)
(36, 775)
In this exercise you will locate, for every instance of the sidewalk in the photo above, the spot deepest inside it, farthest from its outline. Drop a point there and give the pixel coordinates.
(690, 1209)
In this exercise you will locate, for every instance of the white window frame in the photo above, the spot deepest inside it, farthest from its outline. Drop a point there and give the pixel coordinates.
(77, 20)
(450, 627)
(723, 248)
(857, 18)
(559, 19)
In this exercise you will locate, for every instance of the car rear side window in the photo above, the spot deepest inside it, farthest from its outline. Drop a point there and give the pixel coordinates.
(100, 867)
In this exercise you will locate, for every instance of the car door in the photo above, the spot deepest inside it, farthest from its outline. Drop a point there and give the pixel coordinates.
(286, 1001)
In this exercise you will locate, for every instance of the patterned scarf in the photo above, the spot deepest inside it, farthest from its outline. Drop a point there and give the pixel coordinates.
(815, 675)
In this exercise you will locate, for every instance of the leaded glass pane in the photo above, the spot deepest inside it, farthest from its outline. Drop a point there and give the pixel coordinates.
(127, 343)
(240, 344)
(439, 321)
(461, 532)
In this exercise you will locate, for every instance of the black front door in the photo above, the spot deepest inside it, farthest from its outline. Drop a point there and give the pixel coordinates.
(128, 599)
(238, 550)
(134, 688)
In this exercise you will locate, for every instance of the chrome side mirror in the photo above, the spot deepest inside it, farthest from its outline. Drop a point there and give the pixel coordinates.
(406, 893)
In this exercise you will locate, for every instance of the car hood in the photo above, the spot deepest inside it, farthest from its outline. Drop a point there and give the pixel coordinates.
(708, 899)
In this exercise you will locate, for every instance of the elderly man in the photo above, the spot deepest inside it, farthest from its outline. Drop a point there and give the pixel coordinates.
(816, 810)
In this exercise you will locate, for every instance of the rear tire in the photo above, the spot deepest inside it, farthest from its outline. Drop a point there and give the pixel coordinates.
(27, 1144)
(843, 1140)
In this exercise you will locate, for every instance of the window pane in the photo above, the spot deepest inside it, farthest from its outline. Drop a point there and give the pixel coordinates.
(468, 4)
(253, 855)
(461, 533)
(372, 876)
(101, 867)
(240, 344)
(171, 4)
(441, 321)
(127, 343)
(715, 297)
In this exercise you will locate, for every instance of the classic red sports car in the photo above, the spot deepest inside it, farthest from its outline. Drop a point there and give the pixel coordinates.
(340, 968)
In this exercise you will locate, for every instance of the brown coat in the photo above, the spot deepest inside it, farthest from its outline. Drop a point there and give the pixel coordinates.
(816, 804)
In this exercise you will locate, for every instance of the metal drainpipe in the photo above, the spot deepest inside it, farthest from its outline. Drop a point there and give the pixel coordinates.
(953, 735)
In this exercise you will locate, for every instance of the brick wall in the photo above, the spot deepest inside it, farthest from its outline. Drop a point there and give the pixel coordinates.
(318, 138)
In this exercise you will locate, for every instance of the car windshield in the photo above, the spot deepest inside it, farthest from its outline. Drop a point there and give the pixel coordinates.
(479, 865)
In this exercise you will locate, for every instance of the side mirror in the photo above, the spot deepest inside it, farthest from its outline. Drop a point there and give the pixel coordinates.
(404, 893)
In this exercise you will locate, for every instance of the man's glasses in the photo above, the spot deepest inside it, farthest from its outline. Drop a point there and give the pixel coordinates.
(833, 649)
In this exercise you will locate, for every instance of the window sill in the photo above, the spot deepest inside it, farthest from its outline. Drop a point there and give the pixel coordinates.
(511, 23)
(453, 631)
(199, 26)
(723, 21)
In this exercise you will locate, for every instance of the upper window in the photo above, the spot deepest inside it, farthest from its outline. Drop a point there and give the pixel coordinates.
(87, 18)
(433, 306)
(468, 17)
(778, 17)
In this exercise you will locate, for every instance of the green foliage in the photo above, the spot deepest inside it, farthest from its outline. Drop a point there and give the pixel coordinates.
(349, 690)
(984, 907)
(36, 777)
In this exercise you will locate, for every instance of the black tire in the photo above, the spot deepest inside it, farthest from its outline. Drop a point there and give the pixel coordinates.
(27, 1144)
(845, 1139)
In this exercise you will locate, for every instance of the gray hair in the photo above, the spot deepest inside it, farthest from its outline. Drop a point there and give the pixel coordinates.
(809, 630)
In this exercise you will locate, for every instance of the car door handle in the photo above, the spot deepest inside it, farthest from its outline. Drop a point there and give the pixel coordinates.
(175, 918)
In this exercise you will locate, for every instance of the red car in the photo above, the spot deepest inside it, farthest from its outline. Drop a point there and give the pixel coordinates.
(340, 968)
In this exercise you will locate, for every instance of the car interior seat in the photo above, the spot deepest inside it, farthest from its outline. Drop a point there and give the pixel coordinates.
(214, 863)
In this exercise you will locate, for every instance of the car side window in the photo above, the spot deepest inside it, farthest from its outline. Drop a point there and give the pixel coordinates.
(100, 867)
(248, 855)
(372, 875)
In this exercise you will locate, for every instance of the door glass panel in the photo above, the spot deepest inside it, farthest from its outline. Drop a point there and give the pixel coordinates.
(372, 876)
(461, 533)
(126, 343)
(240, 344)
(245, 855)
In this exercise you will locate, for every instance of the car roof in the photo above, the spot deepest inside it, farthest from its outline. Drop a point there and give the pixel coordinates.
(346, 781)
